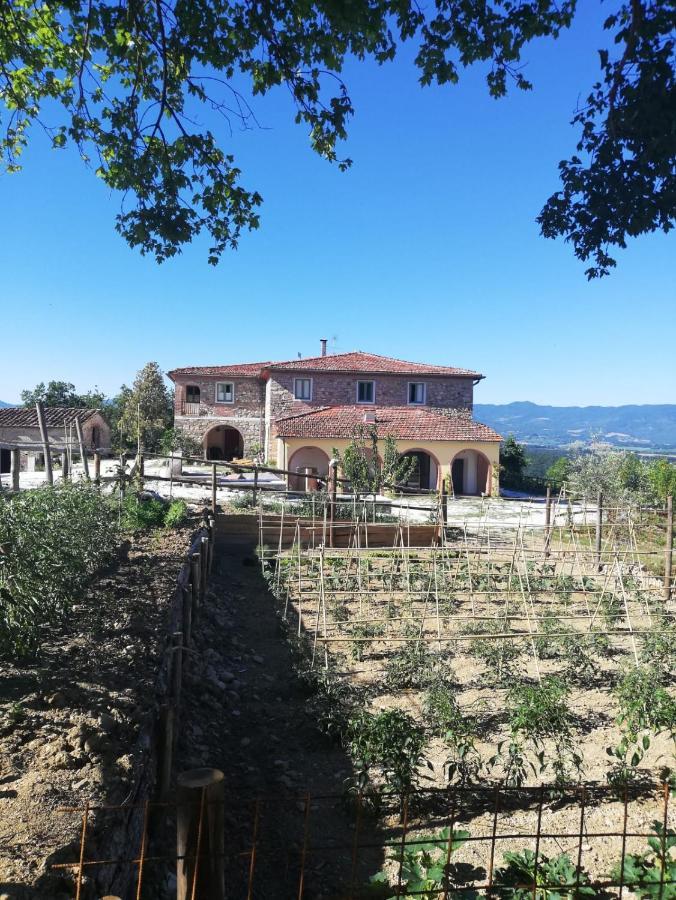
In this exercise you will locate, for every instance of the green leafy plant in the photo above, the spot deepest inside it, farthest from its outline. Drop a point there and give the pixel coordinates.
(141, 515)
(555, 878)
(423, 870)
(498, 654)
(389, 742)
(443, 714)
(652, 873)
(362, 638)
(176, 514)
(413, 666)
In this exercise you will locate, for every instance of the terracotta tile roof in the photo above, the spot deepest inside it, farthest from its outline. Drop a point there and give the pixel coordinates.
(402, 422)
(358, 361)
(55, 416)
(242, 370)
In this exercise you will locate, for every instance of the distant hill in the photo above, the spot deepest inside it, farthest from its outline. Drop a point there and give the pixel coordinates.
(2, 403)
(647, 428)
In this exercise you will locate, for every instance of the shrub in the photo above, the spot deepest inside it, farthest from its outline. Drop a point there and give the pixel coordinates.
(140, 515)
(176, 514)
(52, 539)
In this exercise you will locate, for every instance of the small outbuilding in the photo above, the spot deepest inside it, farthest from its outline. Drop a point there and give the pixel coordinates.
(19, 428)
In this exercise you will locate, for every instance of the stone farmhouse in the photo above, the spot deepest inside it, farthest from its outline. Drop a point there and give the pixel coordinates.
(296, 412)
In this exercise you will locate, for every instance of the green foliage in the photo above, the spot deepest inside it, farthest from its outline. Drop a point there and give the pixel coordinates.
(498, 654)
(413, 666)
(555, 878)
(423, 870)
(620, 476)
(389, 742)
(662, 477)
(361, 462)
(651, 874)
(175, 514)
(442, 713)
(644, 703)
(557, 473)
(146, 410)
(512, 462)
(173, 439)
(658, 649)
(140, 515)
(538, 714)
(362, 637)
(126, 87)
(51, 541)
(62, 393)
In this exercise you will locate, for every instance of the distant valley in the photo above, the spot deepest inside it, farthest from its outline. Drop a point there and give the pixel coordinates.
(646, 428)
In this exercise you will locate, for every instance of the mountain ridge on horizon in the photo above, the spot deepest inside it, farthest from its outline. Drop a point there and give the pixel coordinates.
(649, 427)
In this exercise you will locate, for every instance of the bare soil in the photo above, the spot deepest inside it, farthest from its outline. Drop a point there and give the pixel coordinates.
(69, 721)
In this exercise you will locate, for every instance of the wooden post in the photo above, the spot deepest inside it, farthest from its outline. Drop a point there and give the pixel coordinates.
(200, 839)
(669, 549)
(16, 467)
(195, 581)
(140, 469)
(333, 490)
(444, 502)
(212, 542)
(83, 455)
(187, 617)
(548, 520)
(45, 441)
(166, 750)
(123, 475)
(213, 488)
(204, 566)
(97, 467)
(255, 486)
(64, 465)
(599, 531)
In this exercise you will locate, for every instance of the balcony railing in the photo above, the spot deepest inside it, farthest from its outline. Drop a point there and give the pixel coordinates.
(190, 409)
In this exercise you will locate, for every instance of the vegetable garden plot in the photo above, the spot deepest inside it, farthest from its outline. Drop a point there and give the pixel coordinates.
(494, 656)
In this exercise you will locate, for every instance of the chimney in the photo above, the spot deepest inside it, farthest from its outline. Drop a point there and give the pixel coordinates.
(323, 343)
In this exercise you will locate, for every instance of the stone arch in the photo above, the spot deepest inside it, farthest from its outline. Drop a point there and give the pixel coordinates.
(428, 466)
(307, 458)
(223, 442)
(471, 473)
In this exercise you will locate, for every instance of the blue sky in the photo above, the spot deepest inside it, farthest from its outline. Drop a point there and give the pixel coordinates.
(427, 249)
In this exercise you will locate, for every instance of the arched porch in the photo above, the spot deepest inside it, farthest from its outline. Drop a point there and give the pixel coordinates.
(223, 442)
(471, 473)
(424, 475)
(307, 458)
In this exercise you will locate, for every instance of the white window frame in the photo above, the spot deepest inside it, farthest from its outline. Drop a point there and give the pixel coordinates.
(232, 385)
(366, 402)
(424, 394)
(295, 390)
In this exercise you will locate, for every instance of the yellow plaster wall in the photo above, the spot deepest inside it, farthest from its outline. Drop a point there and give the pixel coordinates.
(443, 451)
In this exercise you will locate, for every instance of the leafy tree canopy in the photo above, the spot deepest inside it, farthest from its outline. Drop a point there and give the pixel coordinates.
(145, 410)
(62, 393)
(125, 83)
(512, 460)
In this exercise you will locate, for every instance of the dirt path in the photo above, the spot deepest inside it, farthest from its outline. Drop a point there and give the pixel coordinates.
(245, 712)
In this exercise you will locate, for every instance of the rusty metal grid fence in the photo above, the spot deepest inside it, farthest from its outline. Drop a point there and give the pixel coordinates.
(288, 846)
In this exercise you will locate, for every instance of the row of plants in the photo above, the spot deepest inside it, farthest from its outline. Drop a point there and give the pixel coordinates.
(52, 541)
(426, 868)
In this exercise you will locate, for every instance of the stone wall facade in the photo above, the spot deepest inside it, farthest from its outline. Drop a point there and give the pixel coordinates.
(95, 435)
(340, 389)
(257, 403)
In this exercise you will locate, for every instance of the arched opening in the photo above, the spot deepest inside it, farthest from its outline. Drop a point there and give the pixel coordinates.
(471, 473)
(307, 458)
(223, 442)
(5, 460)
(423, 476)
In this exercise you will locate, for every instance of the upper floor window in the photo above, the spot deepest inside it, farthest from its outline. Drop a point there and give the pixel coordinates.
(225, 392)
(302, 388)
(416, 392)
(366, 391)
(192, 393)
